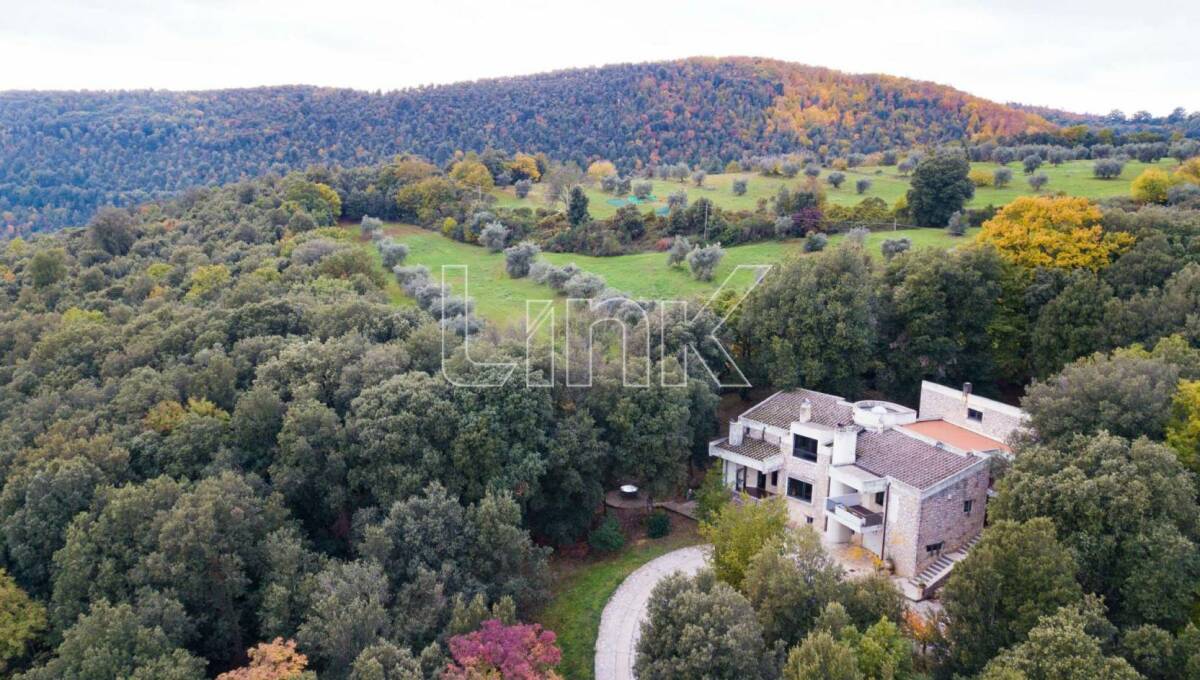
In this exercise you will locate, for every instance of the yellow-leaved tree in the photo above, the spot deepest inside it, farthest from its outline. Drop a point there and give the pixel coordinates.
(1053, 231)
(524, 166)
(1152, 186)
(1183, 430)
(473, 174)
(1189, 171)
(598, 170)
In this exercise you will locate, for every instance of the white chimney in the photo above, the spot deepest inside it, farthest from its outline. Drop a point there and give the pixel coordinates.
(845, 444)
(736, 429)
(805, 414)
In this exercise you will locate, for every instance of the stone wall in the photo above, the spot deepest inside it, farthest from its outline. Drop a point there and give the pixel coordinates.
(902, 528)
(943, 519)
(999, 420)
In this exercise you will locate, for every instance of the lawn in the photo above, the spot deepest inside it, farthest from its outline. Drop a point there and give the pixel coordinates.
(501, 299)
(1074, 177)
(582, 588)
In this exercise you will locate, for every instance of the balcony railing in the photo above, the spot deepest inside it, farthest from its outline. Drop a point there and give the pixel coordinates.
(849, 511)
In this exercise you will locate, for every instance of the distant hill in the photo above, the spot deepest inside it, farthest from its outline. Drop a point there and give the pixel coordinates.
(62, 154)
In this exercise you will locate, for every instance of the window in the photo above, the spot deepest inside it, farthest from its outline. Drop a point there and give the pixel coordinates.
(775, 478)
(977, 416)
(808, 520)
(879, 498)
(967, 505)
(935, 547)
(804, 447)
(800, 490)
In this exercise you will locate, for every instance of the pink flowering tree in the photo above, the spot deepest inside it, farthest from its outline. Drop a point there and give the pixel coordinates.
(500, 652)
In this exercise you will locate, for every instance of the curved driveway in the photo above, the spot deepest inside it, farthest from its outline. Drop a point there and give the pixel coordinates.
(620, 624)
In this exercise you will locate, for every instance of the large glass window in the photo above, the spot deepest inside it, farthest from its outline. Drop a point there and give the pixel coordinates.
(804, 447)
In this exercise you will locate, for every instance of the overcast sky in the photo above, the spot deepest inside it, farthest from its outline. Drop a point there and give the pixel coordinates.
(1089, 56)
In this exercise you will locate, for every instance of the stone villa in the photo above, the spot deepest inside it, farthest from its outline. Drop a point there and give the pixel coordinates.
(909, 487)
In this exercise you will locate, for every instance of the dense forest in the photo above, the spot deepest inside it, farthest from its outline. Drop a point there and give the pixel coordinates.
(221, 442)
(63, 154)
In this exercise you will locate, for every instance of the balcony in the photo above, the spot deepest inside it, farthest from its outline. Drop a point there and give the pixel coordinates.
(849, 511)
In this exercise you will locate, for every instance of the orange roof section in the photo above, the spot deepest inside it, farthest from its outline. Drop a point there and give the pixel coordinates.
(956, 436)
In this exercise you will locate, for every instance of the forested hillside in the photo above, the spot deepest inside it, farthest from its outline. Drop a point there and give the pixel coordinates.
(63, 154)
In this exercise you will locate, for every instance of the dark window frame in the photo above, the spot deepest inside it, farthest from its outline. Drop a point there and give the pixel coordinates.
(975, 415)
(934, 547)
(805, 452)
(799, 496)
(968, 506)
(879, 497)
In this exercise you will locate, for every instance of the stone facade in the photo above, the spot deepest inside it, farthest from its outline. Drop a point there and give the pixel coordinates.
(985, 416)
(874, 482)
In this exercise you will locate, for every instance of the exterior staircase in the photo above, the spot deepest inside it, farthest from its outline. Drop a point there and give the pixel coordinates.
(918, 587)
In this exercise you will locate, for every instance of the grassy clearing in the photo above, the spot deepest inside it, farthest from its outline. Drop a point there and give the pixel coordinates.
(501, 299)
(1074, 178)
(582, 588)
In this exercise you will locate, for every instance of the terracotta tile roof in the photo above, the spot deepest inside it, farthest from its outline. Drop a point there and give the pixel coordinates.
(956, 435)
(751, 448)
(894, 454)
(783, 408)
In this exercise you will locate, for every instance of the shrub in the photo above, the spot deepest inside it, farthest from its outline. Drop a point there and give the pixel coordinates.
(858, 235)
(906, 166)
(815, 242)
(812, 170)
(680, 248)
(1036, 182)
(493, 237)
(643, 190)
(677, 200)
(957, 226)
(557, 277)
(607, 537)
(698, 177)
(739, 187)
(372, 227)
(393, 252)
(518, 258)
(836, 179)
(658, 524)
(982, 178)
(584, 285)
(894, 246)
(1031, 163)
(862, 185)
(1108, 168)
(1001, 177)
(703, 261)
(522, 187)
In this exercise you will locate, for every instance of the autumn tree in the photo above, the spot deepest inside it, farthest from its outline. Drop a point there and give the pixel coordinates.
(275, 660)
(472, 174)
(1053, 231)
(1151, 186)
(496, 650)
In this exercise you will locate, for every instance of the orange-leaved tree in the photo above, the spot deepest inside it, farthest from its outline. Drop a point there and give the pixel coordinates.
(275, 660)
(1053, 231)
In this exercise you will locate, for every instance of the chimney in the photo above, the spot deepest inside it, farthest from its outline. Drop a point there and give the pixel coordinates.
(736, 429)
(805, 414)
(966, 390)
(845, 444)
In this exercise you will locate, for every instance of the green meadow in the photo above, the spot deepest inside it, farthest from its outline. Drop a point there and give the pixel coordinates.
(1073, 178)
(501, 299)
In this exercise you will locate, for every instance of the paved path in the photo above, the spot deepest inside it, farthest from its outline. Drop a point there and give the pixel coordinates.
(620, 624)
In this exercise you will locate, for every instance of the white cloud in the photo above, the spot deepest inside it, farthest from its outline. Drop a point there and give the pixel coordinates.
(1091, 56)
